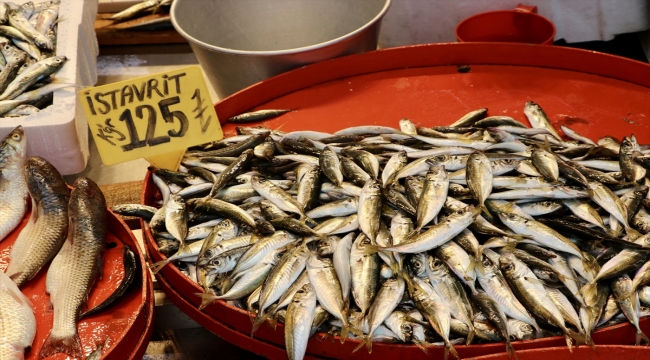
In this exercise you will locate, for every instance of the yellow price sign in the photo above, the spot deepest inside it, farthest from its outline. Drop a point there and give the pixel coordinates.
(151, 116)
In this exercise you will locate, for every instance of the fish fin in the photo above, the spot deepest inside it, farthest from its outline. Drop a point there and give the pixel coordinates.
(306, 219)
(487, 212)
(590, 342)
(258, 321)
(67, 345)
(155, 267)
(626, 295)
(641, 336)
(579, 338)
(511, 351)
(520, 237)
(206, 299)
(370, 249)
(420, 345)
(470, 333)
(449, 348)
(569, 343)
(588, 291)
(368, 342)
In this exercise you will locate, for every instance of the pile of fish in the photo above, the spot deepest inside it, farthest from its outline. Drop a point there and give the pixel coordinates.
(486, 230)
(28, 36)
(66, 229)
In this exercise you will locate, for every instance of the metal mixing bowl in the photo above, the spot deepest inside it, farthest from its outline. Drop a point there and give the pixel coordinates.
(241, 42)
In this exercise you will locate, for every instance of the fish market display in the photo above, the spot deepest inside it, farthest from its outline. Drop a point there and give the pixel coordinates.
(486, 230)
(28, 36)
(67, 231)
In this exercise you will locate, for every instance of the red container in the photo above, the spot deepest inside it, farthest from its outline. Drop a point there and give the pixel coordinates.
(521, 25)
(122, 326)
(575, 87)
(602, 352)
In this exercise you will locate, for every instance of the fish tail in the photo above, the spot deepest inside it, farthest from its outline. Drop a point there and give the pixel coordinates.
(259, 320)
(511, 351)
(420, 345)
(206, 299)
(449, 348)
(70, 345)
(641, 336)
(470, 333)
(590, 342)
(569, 343)
(155, 267)
(367, 341)
(344, 332)
(370, 249)
(579, 338)
(486, 211)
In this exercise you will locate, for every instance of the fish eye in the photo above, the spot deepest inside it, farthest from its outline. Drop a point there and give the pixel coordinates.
(441, 157)
(436, 263)
(511, 216)
(547, 203)
(15, 136)
(407, 327)
(365, 241)
(487, 262)
(508, 267)
(218, 262)
(208, 253)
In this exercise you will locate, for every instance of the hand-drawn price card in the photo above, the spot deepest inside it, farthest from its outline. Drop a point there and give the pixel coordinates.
(151, 116)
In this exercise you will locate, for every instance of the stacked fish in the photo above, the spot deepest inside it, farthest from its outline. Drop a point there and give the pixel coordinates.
(486, 230)
(28, 47)
(57, 215)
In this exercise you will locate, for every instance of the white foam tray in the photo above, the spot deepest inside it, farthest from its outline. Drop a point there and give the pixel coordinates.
(59, 133)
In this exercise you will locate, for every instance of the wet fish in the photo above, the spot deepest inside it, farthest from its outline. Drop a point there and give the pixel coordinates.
(47, 229)
(76, 266)
(13, 197)
(20, 329)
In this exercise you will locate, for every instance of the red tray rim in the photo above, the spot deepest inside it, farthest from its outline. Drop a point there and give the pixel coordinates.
(429, 55)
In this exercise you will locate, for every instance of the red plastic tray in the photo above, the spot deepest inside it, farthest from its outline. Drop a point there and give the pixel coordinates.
(595, 94)
(119, 327)
(603, 352)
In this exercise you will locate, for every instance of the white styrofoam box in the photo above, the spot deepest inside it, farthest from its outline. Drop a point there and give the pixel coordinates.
(59, 133)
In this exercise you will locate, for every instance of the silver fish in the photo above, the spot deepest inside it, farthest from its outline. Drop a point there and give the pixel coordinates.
(13, 197)
(298, 320)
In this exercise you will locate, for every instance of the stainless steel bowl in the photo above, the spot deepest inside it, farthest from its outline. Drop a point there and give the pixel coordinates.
(241, 42)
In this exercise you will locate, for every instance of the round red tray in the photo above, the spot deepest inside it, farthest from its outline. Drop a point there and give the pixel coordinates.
(595, 94)
(122, 326)
(603, 352)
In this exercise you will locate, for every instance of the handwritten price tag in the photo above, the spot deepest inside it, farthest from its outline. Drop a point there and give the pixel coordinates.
(151, 116)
